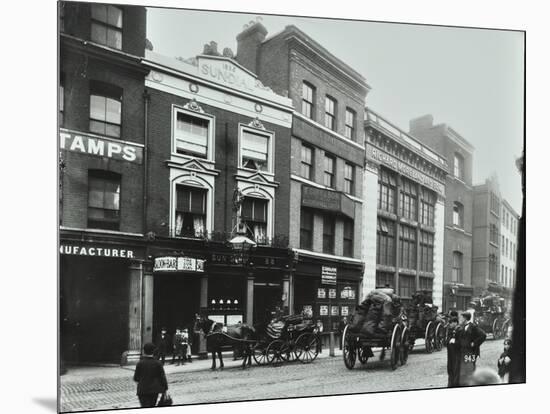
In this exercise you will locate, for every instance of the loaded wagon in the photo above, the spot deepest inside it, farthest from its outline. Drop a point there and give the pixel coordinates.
(424, 322)
(490, 315)
(376, 323)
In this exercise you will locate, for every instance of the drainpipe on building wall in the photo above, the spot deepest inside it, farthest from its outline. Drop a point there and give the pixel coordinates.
(146, 98)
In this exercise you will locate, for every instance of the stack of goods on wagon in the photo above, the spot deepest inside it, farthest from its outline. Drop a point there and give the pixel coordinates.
(278, 325)
(422, 310)
(377, 314)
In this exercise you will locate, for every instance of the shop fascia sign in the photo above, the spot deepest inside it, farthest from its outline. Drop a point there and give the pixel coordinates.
(403, 168)
(328, 275)
(99, 251)
(99, 146)
(178, 264)
(327, 200)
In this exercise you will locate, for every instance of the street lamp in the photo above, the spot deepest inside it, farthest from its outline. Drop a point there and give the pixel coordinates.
(241, 246)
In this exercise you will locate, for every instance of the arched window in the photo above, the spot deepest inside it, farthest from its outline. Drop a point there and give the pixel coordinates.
(458, 214)
(457, 267)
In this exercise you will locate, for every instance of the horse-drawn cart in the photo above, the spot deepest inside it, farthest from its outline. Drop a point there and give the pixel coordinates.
(424, 322)
(490, 315)
(288, 338)
(376, 323)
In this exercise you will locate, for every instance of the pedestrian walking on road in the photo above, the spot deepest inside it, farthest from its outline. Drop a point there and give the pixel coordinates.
(453, 353)
(164, 345)
(470, 338)
(150, 377)
(505, 361)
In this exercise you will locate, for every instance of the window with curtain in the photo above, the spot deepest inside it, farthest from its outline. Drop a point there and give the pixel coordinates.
(386, 191)
(456, 275)
(190, 220)
(254, 214)
(308, 100)
(427, 207)
(306, 229)
(306, 162)
(191, 135)
(407, 247)
(330, 113)
(107, 25)
(348, 238)
(426, 251)
(349, 131)
(349, 174)
(105, 109)
(385, 242)
(329, 171)
(328, 234)
(459, 166)
(255, 151)
(458, 214)
(408, 199)
(103, 200)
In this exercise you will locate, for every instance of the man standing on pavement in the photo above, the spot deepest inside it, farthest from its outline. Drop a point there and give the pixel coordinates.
(470, 337)
(163, 345)
(150, 377)
(453, 353)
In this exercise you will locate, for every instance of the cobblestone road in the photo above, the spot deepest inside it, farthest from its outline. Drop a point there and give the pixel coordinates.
(325, 376)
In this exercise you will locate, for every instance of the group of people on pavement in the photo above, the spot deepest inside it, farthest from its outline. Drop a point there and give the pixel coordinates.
(464, 339)
(179, 346)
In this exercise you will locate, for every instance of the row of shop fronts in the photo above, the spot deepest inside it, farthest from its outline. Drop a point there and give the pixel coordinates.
(118, 292)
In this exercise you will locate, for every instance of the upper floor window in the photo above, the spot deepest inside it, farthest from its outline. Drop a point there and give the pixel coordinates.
(107, 25)
(349, 131)
(407, 247)
(458, 214)
(456, 275)
(103, 200)
(427, 207)
(308, 93)
(502, 243)
(386, 191)
(328, 234)
(191, 134)
(190, 211)
(306, 162)
(385, 242)
(426, 251)
(493, 233)
(349, 174)
(408, 199)
(329, 171)
(254, 214)
(494, 202)
(406, 286)
(348, 238)
(459, 166)
(330, 113)
(255, 150)
(306, 229)
(105, 109)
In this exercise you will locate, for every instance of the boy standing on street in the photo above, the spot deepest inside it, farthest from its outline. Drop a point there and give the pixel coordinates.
(505, 361)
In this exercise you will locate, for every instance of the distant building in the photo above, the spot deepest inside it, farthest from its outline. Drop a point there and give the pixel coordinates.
(404, 211)
(508, 250)
(457, 261)
(486, 238)
(326, 165)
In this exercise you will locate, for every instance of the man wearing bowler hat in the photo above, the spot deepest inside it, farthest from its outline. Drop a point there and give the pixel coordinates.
(150, 377)
(470, 337)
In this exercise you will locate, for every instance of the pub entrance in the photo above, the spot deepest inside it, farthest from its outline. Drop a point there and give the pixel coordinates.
(176, 299)
(267, 297)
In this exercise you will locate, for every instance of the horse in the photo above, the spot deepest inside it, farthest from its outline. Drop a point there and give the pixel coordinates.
(218, 335)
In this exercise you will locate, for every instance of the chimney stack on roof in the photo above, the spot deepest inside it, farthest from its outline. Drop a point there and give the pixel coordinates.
(248, 43)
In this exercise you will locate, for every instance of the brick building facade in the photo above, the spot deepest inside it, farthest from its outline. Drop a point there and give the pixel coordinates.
(457, 287)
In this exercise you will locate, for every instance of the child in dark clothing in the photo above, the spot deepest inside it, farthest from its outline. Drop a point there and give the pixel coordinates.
(504, 362)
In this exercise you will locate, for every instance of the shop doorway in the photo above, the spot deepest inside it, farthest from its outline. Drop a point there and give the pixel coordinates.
(267, 296)
(176, 299)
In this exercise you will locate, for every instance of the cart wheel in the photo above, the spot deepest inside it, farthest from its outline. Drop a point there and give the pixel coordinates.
(363, 354)
(404, 348)
(288, 352)
(429, 337)
(439, 336)
(497, 329)
(307, 347)
(395, 345)
(260, 354)
(274, 352)
(348, 348)
(505, 327)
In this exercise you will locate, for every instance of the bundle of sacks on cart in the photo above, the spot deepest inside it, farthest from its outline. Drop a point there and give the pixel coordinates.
(488, 303)
(276, 327)
(421, 311)
(377, 314)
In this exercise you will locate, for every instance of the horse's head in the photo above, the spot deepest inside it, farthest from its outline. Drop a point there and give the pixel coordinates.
(205, 325)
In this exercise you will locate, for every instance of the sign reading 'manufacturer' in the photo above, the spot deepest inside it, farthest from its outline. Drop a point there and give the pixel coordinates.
(100, 251)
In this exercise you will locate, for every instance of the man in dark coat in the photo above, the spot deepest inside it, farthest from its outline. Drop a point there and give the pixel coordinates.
(150, 377)
(164, 345)
(470, 337)
(453, 353)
